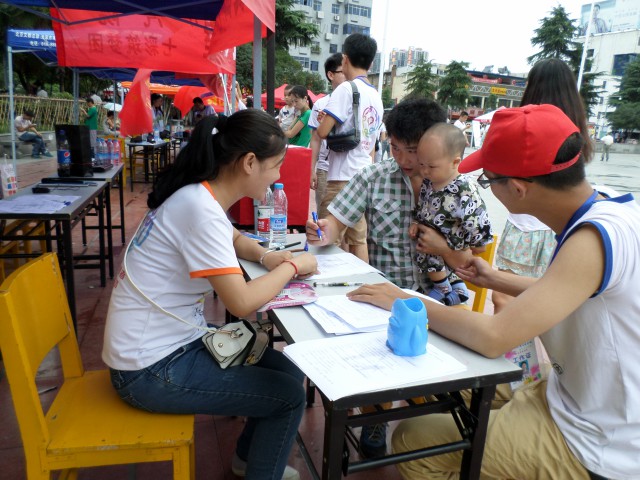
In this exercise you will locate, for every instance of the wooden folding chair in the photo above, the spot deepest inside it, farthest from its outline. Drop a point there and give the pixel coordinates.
(87, 424)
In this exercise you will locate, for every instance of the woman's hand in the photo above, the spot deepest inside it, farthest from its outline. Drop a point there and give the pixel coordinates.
(274, 258)
(307, 265)
(476, 271)
(380, 294)
(431, 241)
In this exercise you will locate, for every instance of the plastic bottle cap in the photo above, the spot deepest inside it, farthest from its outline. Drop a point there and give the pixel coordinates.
(278, 186)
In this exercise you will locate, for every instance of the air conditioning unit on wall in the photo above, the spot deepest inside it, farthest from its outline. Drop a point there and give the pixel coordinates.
(336, 17)
(320, 14)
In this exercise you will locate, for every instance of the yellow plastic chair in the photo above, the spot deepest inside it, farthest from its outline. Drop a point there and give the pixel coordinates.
(87, 424)
(15, 247)
(480, 297)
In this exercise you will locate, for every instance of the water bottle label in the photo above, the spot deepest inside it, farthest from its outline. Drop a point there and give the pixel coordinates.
(264, 225)
(64, 157)
(279, 222)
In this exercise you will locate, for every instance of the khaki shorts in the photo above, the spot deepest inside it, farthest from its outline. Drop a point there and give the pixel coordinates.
(356, 235)
(321, 187)
(522, 441)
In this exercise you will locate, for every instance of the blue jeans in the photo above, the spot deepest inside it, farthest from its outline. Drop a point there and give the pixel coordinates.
(38, 142)
(189, 380)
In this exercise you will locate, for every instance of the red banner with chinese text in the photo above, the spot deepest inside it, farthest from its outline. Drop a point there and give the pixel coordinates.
(234, 23)
(135, 117)
(137, 41)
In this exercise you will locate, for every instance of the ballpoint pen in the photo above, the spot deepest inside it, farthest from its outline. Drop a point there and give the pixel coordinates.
(288, 245)
(337, 284)
(314, 215)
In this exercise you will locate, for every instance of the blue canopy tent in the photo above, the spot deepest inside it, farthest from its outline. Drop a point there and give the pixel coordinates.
(181, 10)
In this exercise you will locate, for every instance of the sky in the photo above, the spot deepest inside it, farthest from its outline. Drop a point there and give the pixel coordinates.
(481, 32)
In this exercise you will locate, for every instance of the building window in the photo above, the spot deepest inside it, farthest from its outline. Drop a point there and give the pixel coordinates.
(314, 66)
(315, 47)
(620, 63)
(335, 8)
(348, 29)
(604, 84)
(335, 28)
(333, 48)
(304, 61)
(306, 3)
(317, 5)
(590, 53)
(357, 10)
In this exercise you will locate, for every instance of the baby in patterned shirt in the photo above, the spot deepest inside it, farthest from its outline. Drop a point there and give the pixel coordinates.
(449, 203)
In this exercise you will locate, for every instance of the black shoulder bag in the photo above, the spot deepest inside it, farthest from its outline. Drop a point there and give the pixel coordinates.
(344, 142)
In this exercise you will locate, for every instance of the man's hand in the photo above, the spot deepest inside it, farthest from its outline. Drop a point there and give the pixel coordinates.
(314, 180)
(477, 271)
(380, 294)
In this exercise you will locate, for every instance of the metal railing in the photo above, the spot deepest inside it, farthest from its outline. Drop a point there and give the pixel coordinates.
(47, 111)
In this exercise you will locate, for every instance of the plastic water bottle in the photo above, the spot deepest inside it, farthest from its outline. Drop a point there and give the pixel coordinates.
(279, 217)
(156, 135)
(116, 151)
(109, 148)
(64, 155)
(265, 210)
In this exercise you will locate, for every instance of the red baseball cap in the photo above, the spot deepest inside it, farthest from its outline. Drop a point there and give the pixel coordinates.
(523, 142)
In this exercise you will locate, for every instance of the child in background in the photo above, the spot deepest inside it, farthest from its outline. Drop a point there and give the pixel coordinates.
(449, 203)
(287, 114)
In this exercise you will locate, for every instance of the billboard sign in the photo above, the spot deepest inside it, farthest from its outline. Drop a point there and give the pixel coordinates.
(611, 16)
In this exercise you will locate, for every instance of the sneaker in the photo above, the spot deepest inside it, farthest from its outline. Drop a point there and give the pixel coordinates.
(461, 289)
(436, 295)
(47, 154)
(35, 156)
(373, 440)
(239, 469)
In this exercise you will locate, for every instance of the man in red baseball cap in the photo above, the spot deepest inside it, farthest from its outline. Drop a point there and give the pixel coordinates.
(583, 422)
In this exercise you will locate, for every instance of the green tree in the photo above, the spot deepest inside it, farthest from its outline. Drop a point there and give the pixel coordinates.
(387, 100)
(421, 81)
(555, 37)
(627, 100)
(491, 103)
(454, 86)
(292, 27)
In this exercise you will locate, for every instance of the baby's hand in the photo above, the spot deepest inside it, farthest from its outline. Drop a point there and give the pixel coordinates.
(413, 230)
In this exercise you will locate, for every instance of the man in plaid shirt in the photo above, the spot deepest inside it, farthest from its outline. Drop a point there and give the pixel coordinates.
(386, 193)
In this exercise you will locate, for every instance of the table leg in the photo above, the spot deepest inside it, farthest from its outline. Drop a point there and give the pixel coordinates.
(107, 193)
(101, 230)
(335, 424)
(131, 151)
(67, 254)
(121, 193)
(480, 407)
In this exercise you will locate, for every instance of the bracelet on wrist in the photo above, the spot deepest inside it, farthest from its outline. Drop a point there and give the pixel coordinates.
(294, 266)
(264, 255)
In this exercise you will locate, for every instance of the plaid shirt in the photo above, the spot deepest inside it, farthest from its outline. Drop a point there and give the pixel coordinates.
(383, 193)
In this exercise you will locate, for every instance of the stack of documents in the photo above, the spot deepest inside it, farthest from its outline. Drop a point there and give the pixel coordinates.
(352, 364)
(342, 265)
(339, 315)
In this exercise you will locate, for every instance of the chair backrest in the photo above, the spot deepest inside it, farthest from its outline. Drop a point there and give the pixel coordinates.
(295, 174)
(35, 318)
(480, 297)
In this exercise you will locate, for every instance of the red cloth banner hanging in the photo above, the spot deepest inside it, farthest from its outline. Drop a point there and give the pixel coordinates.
(135, 117)
(136, 41)
(234, 23)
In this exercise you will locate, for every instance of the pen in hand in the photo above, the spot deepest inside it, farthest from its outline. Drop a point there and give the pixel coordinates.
(337, 284)
(314, 215)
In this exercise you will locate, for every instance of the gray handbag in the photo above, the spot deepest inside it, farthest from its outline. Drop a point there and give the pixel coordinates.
(344, 142)
(237, 343)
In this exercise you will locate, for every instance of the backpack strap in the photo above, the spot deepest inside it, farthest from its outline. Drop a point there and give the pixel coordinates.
(356, 109)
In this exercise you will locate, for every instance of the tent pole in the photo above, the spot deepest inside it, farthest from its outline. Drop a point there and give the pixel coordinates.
(257, 62)
(271, 71)
(12, 120)
(233, 94)
(76, 96)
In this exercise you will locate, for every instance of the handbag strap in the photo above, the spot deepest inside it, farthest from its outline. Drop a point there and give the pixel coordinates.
(355, 106)
(154, 304)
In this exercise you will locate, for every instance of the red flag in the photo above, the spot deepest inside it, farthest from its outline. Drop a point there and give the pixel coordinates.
(225, 61)
(234, 23)
(135, 117)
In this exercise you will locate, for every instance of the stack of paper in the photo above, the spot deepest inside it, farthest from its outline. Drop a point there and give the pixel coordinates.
(343, 366)
(339, 315)
(341, 265)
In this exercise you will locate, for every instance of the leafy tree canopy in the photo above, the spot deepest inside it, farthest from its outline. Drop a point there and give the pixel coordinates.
(454, 86)
(422, 82)
(555, 37)
(292, 27)
(627, 100)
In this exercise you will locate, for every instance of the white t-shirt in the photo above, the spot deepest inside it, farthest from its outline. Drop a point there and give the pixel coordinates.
(461, 125)
(286, 117)
(594, 390)
(344, 165)
(22, 123)
(184, 241)
(323, 160)
(526, 223)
